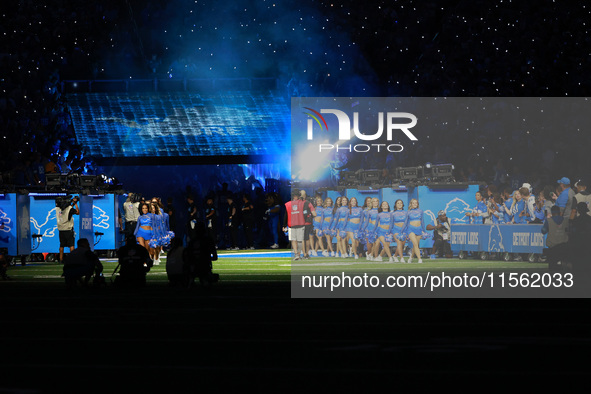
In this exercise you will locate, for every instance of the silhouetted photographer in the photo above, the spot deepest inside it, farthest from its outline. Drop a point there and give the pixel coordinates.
(81, 264)
(198, 257)
(134, 264)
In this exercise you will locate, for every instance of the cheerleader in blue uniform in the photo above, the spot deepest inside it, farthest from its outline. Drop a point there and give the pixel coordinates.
(318, 220)
(158, 233)
(384, 220)
(361, 238)
(369, 230)
(519, 209)
(144, 229)
(353, 225)
(414, 229)
(398, 223)
(168, 234)
(339, 222)
(327, 215)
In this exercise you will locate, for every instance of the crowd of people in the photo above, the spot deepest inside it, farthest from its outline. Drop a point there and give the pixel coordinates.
(347, 229)
(236, 221)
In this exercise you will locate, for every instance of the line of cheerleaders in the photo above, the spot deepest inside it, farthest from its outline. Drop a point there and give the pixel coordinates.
(369, 228)
(153, 229)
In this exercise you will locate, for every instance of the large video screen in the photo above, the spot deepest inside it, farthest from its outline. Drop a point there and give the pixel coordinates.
(181, 124)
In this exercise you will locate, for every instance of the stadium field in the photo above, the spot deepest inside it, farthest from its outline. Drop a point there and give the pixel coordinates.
(265, 266)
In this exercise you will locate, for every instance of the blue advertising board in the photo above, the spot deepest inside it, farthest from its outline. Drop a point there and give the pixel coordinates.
(8, 223)
(105, 225)
(456, 201)
(499, 238)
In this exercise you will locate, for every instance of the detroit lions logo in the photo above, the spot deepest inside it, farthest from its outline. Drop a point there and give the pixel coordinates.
(495, 239)
(46, 228)
(100, 218)
(456, 211)
(5, 230)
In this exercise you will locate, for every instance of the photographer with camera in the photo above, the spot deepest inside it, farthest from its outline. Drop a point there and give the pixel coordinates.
(66, 208)
(441, 236)
(81, 264)
(134, 264)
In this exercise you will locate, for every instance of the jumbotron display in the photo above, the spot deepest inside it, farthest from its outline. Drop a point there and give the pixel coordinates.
(181, 124)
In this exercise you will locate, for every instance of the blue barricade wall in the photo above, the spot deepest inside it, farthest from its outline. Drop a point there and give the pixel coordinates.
(8, 234)
(513, 238)
(105, 221)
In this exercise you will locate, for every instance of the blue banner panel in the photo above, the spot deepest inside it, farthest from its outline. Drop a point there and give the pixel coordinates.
(105, 222)
(499, 238)
(24, 230)
(454, 200)
(86, 230)
(8, 223)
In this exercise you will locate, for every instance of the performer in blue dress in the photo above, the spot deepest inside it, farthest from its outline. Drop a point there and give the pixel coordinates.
(415, 229)
(158, 233)
(318, 220)
(369, 229)
(361, 236)
(327, 216)
(384, 220)
(398, 223)
(144, 229)
(339, 222)
(353, 225)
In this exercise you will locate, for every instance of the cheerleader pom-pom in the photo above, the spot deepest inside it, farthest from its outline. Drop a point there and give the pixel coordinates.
(170, 234)
(319, 233)
(389, 237)
(153, 243)
(342, 234)
(425, 236)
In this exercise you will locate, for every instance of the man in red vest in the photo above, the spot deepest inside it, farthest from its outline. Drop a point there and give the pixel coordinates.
(296, 222)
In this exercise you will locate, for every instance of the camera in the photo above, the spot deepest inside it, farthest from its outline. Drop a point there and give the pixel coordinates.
(136, 197)
(65, 201)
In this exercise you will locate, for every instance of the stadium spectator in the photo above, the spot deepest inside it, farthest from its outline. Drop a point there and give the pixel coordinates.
(556, 228)
(582, 196)
(566, 197)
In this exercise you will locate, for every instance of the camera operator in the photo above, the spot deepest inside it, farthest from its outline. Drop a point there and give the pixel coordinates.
(82, 262)
(131, 213)
(65, 211)
(134, 263)
(441, 235)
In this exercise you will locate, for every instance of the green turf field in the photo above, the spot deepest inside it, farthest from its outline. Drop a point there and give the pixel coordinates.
(270, 269)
